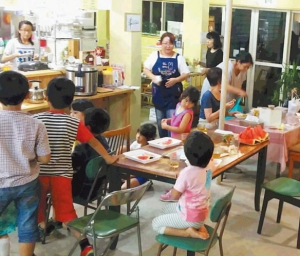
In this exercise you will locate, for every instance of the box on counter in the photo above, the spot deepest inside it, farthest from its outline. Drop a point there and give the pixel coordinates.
(270, 117)
(251, 124)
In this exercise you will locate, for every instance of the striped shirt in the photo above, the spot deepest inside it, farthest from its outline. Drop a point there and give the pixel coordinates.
(63, 130)
(22, 139)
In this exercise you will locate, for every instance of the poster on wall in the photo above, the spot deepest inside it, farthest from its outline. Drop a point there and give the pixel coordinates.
(133, 22)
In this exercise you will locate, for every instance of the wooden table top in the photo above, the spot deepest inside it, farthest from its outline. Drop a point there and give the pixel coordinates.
(161, 167)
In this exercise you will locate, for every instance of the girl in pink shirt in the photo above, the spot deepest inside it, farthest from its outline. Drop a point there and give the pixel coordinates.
(182, 118)
(192, 190)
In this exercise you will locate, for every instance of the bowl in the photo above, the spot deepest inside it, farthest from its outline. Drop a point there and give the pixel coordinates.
(240, 116)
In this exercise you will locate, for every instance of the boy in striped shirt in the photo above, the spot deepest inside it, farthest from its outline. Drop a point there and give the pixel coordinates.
(56, 176)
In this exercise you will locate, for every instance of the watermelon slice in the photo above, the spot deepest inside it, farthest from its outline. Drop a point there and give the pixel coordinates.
(248, 141)
(144, 157)
(167, 142)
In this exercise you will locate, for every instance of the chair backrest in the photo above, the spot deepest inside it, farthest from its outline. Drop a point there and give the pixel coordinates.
(220, 207)
(117, 137)
(93, 166)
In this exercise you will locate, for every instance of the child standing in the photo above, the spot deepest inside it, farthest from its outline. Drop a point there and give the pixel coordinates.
(24, 142)
(56, 177)
(145, 133)
(182, 118)
(97, 121)
(192, 189)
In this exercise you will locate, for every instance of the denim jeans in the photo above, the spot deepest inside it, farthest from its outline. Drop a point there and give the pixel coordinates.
(161, 114)
(26, 198)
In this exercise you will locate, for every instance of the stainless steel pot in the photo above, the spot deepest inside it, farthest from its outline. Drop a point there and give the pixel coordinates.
(85, 78)
(36, 95)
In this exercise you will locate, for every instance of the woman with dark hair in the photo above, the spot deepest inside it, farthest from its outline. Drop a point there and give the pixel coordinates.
(167, 69)
(214, 54)
(20, 49)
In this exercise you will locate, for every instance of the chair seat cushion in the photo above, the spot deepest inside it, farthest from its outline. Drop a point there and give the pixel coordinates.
(107, 223)
(187, 243)
(284, 186)
(295, 148)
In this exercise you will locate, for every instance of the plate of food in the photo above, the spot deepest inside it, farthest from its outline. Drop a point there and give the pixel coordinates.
(240, 116)
(142, 156)
(27, 54)
(163, 143)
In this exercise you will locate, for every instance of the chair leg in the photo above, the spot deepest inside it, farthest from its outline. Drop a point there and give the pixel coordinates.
(279, 211)
(139, 239)
(174, 251)
(298, 240)
(159, 250)
(263, 211)
(221, 247)
(291, 167)
(48, 208)
(74, 247)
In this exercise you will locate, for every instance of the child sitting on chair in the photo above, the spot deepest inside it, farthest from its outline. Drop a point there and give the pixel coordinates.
(192, 189)
(97, 121)
(145, 133)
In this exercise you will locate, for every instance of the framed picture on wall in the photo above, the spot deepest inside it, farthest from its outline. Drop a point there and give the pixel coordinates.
(133, 22)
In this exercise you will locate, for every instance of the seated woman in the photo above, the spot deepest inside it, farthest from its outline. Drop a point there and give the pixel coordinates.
(210, 101)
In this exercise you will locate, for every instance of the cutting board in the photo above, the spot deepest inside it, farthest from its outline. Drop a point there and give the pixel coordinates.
(103, 90)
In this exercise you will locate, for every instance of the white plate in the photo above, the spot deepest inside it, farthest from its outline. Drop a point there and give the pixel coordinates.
(159, 143)
(27, 54)
(133, 155)
(240, 116)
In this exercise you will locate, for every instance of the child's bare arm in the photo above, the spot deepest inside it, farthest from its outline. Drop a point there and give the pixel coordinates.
(182, 127)
(175, 194)
(44, 159)
(97, 146)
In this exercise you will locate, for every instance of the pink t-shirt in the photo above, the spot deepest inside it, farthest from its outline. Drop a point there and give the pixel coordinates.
(194, 184)
(176, 120)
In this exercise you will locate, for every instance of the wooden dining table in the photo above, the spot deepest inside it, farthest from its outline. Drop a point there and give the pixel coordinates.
(161, 171)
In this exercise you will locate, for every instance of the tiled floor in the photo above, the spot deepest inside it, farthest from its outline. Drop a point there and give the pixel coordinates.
(240, 237)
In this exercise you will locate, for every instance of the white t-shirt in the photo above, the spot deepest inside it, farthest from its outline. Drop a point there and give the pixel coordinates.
(233, 80)
(14, 46)
(134, 145)
(151, 60)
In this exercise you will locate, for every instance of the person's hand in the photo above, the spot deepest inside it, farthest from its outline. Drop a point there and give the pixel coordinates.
(111, 159)
(157, 80)
(170, 82)
(242, 93)
(230, 104)
(234, 112)
(164, 123)
(35, 57)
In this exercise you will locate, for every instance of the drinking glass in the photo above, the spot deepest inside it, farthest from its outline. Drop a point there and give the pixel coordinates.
(174, 160)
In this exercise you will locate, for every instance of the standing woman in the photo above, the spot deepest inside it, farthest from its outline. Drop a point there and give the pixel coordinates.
(20, 49)
(167, 69)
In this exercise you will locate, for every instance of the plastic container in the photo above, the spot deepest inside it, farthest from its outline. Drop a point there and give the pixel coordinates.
(1, 45)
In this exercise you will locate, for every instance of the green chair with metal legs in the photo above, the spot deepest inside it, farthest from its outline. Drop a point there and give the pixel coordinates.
(218, 214)
(285, 190)
(105, 223)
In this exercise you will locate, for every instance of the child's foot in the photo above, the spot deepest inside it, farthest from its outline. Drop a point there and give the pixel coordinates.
(201, 233)
(167, 197)
(87, 251)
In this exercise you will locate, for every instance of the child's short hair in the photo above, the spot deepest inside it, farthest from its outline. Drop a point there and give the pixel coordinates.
(97, 119)
(148, 131)
(81, 104)
(13, 88)
(244, 57)
(214, 76)
(198, 148)
(192, 93)
(60, 92)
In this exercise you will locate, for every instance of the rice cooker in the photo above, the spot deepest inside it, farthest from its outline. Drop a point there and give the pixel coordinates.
(85, 78)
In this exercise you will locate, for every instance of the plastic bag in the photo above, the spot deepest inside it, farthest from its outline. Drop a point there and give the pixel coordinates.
(294, 106)
(236, 108)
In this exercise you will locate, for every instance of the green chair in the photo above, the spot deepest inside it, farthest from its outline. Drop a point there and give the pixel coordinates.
(218, 214)
(285, 190)
(95, 172)
(105, 223)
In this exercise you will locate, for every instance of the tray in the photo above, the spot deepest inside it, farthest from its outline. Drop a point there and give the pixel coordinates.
(159, 143)
(254, 143)
(133, 155)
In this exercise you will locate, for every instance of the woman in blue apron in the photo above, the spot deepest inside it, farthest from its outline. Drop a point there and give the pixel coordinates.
(167, 69)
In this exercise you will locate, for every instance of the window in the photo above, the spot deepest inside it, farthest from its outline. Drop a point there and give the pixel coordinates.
(157, 14)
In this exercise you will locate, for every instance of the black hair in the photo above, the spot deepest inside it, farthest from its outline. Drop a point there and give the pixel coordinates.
(21, 23)
(192, 93)
(148, 131)
(60, 92)
(198, 148)
(81, 104)
(97, 119)
(244, 57)
(214, 76)
(13, 88)
(216, 37)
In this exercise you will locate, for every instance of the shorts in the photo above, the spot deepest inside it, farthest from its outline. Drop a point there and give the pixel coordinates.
(141, 180)
(61, 195)
(26, 199)
(8, 219)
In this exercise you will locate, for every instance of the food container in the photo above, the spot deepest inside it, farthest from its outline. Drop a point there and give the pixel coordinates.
(36, 95)
(85, 78)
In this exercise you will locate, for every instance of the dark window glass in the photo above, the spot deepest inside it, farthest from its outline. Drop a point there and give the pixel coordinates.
(146, 17)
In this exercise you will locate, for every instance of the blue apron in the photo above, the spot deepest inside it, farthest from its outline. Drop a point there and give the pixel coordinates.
(163, 97)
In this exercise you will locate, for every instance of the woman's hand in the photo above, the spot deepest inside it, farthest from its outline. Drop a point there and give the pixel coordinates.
(171, 81)
(164, 123)
(233, 113)
(230, 104)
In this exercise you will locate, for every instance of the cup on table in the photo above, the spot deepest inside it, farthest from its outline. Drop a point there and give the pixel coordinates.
(234, 147)
(183, 137)
(174, 160)
(217, 152)
(202, 127)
